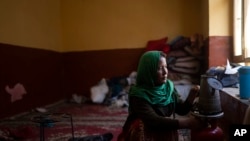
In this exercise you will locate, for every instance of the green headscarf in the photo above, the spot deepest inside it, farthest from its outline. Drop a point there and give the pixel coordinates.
(145, 82)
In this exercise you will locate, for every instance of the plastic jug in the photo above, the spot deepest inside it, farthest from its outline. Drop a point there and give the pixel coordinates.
(244, 79)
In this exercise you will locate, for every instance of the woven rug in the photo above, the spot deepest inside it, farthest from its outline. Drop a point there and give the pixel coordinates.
(87, 119)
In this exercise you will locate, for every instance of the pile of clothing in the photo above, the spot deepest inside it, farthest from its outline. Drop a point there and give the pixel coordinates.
(113, 91)
(184, 54)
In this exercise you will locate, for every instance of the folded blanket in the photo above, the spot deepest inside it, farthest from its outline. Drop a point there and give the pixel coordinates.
(177, 53)
(185, 70)
(189, 65)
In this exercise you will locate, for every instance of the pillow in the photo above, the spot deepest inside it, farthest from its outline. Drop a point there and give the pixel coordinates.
(160, 44)
(155, 43)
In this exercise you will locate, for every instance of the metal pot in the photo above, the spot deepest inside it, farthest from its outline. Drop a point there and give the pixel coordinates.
(209, 97)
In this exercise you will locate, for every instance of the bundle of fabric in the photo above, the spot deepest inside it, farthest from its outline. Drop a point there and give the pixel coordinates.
(99, 91)
(185, 54)
(187, 64)
(113, 91)
(228, 75)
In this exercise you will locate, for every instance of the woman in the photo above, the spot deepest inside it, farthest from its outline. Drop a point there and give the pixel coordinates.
(152, 102)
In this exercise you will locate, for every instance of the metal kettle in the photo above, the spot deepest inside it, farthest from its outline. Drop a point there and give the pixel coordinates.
(209, 98)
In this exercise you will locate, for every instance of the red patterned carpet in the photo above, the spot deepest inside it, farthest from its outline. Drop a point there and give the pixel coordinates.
(88, 119)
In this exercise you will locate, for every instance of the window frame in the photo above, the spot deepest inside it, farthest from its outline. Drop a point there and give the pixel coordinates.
(240, 50)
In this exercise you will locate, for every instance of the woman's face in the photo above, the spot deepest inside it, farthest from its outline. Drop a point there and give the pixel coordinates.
(162, 71)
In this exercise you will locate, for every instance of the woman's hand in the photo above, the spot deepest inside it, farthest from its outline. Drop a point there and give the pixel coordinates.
(193, 93)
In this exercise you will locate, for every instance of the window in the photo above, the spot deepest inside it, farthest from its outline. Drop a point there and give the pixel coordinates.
(242, 31)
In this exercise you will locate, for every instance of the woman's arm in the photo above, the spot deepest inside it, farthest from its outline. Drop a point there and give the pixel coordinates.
(182, 108)
(143, 110)
(139, 108)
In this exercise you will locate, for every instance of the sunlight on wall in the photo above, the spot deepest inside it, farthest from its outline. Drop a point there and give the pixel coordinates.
(80, 25)
(31, 23)
(112, 24)
(220, 17)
